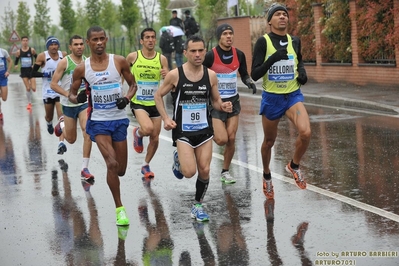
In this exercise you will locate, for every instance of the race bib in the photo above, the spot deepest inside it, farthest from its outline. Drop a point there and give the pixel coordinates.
(146, 90)
(194, 117)
(227, 84)
(283, 70)
(26, 62)
(105, 95)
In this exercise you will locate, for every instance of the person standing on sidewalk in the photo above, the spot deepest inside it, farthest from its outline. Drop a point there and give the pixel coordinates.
(148, 67)
(226, 60)
(107, 120)
(193, 86)
(26, 54)
(178, 40)
(67, 124)
(5, 68)
(48, 61)
(273, 53)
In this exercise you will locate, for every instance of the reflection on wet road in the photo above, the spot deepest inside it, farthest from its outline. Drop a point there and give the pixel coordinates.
(49, 216)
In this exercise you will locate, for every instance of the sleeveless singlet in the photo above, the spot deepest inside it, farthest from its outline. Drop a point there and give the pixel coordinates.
(227, 74)
(191, 106)
(106, 87)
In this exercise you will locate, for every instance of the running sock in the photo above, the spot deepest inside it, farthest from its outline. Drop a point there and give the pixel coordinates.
(49, 122)
(294, 166)
(225, 170)
(201, 187)
(145, 163)
(85, 163)
(29, 96)
(267, 176)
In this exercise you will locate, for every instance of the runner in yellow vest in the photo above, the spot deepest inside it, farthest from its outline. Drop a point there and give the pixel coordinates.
(148, 67)
(277, 58)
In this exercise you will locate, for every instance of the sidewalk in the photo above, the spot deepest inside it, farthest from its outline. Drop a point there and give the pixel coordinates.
(376, 99)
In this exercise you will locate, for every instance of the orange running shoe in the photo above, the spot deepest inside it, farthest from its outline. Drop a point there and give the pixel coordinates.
(296, 173)
(137, 141)
(145, 170)
(268, 189)
(29, 106)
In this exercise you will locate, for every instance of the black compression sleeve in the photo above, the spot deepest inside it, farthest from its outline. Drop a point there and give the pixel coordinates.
(16, 61)
(35, 72)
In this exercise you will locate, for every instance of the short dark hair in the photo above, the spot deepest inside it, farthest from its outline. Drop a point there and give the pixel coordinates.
(94, 29)
(193, 38)
(187, 12)
(174, 11)
(145, 30)
(24, 37)
(74, 37)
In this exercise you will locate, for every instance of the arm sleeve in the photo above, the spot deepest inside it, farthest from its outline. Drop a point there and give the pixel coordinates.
(16, 61)
(35, 73)
(259, 65)
(208, 62)
(243, 70)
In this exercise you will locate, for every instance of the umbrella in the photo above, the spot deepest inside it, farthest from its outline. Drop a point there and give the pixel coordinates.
(175, 31)
(179, 4)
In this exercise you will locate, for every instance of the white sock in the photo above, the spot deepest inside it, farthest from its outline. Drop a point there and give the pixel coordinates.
(85, 163)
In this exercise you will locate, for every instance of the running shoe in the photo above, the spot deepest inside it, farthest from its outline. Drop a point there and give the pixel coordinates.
(29, 106)
(176, 166)
(299, 238)
(61, 148)
(145, 170)
(268, 189)
(197, 212)
(85, 173)
(137, 141)
(122, 232)
(50, 129)
(58, 127)
(269, 210)
(121, 217)
(227, 178)
(296, 173)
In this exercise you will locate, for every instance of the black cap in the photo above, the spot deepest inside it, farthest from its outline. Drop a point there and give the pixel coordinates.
(221, 28)
(273, 8)
(187, 12)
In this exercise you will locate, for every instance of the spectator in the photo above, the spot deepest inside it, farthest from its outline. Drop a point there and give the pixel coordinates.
(175, 21)
(167, 46)
(191, 27)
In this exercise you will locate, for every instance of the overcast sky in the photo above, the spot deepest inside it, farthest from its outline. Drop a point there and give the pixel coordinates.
(52, 4)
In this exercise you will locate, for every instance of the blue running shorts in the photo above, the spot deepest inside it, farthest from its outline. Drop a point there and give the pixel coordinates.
(274, 106)
(3, 81)
(117, 129)
(73, 111)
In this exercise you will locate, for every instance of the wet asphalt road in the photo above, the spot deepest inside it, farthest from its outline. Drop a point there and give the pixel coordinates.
(349, 215)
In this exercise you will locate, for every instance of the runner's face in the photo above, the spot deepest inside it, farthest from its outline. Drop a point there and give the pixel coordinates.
(226, 39)
(97, 42)
(24, 42)
(195, 53)
(53, 48)
(149, 40)
(279, 20)
(77, 47)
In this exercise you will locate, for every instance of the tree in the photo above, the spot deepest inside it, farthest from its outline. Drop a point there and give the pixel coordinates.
(129, 17)
(376, 30)
(42, 20)
(23, 17)
(68, 17)
(148, 7)
(9, 22)
(93, 9)
(81, 20)
(108, 15)
(164, 15)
